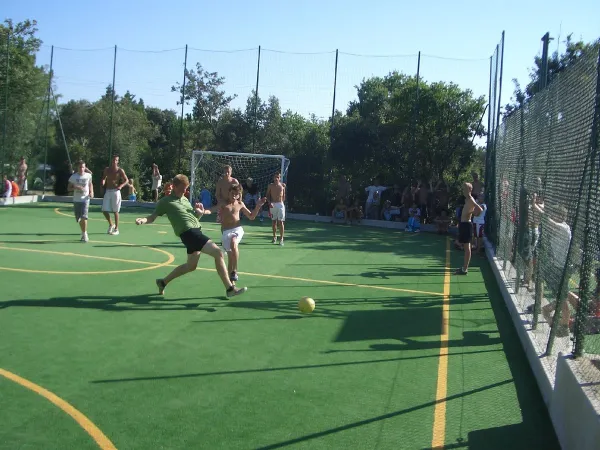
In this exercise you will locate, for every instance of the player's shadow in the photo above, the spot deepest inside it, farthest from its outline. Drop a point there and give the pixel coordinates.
(142, 302)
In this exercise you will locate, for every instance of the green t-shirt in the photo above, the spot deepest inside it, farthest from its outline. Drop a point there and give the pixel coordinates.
(180, 213)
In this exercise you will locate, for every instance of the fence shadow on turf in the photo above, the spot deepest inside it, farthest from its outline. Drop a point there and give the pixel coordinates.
(143, 302)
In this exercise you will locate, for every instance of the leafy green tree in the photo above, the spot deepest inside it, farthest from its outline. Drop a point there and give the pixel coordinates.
(574, 50)
(27, 86)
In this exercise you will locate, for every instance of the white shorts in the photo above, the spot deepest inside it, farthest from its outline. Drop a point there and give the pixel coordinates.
(111, 201)
(237, 232)
(278, 211)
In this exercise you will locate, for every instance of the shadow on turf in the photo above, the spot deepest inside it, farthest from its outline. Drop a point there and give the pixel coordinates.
(276, 369)
(535, 430)
(142, 302)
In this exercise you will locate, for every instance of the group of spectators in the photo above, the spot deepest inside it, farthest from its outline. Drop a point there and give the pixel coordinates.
(420, 202)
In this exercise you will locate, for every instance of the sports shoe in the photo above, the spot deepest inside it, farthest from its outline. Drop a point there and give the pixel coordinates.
(115, 232)
(274, 241)
(161, 286)
(110, 229)
(233, 276)
(461, 271)
(281, 242)
(233, 291)
(84, 237)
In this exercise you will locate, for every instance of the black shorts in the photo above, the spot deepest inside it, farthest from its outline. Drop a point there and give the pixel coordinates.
(194, 240)
(465, 232)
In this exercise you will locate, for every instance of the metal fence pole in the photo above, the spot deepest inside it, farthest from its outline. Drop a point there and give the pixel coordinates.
(182, 106)
(334, 91)
(256, 101)
(112, 108)
(48, 117)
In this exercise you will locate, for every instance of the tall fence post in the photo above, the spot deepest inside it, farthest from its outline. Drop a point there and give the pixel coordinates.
(48, 117)
(416, 110)
(334, 91)
(182, 106)
(589, 256)
(497, 127)
(256, 101)
(6, 79)
(544, 75)
(112, 108)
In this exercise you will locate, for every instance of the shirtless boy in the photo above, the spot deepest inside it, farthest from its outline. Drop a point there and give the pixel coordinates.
(465, 227)
(276, 197)
(232, 230)
(22, 175)
(113, 180)
(184, 220)
(222, 189)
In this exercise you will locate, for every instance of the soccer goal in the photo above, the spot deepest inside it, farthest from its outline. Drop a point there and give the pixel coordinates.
(208, 166)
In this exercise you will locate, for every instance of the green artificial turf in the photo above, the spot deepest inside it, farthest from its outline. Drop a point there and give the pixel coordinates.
(194, 370)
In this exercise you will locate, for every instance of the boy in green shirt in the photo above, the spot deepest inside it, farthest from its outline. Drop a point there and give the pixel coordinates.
(185, 223)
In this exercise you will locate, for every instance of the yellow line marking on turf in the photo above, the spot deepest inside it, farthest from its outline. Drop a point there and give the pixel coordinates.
(439, 415)
(103, 442)
(151, 265)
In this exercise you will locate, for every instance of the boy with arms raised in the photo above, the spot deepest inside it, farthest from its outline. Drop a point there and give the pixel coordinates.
(276, 197)
(185, 223)
(232, 230)
(465, 227)
(83, 190)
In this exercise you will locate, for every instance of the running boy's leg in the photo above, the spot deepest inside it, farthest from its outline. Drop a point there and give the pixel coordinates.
(193, 241)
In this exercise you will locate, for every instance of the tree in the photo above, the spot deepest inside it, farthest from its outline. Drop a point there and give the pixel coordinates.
(209, 101)
(27, 87)
(386, 134)
(556, 64)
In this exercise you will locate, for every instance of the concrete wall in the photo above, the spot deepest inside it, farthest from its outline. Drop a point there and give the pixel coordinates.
(573, 407)
(23, 199)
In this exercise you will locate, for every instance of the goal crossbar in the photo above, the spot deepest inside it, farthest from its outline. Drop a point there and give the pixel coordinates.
(207, 167)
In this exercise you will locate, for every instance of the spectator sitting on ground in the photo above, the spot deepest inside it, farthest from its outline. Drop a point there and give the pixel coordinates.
(15, 188)
(339, 211)
(390, 212)
(132, 194)
(7, 187)
(355, 212)
(414, 219)
(443, 222)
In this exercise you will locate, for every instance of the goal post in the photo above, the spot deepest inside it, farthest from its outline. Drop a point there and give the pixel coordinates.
(208, 166)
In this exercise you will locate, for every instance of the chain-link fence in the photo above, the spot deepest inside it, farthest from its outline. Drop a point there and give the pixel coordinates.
(546, 182)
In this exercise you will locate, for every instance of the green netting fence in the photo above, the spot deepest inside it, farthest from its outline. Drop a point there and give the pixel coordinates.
(543, 180)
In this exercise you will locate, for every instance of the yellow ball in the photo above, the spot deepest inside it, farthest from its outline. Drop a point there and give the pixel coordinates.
(306, 305)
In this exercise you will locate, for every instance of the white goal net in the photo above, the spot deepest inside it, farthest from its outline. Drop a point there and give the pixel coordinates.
(208, 166)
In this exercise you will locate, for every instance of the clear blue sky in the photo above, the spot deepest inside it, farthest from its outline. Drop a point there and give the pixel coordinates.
(465, 30)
